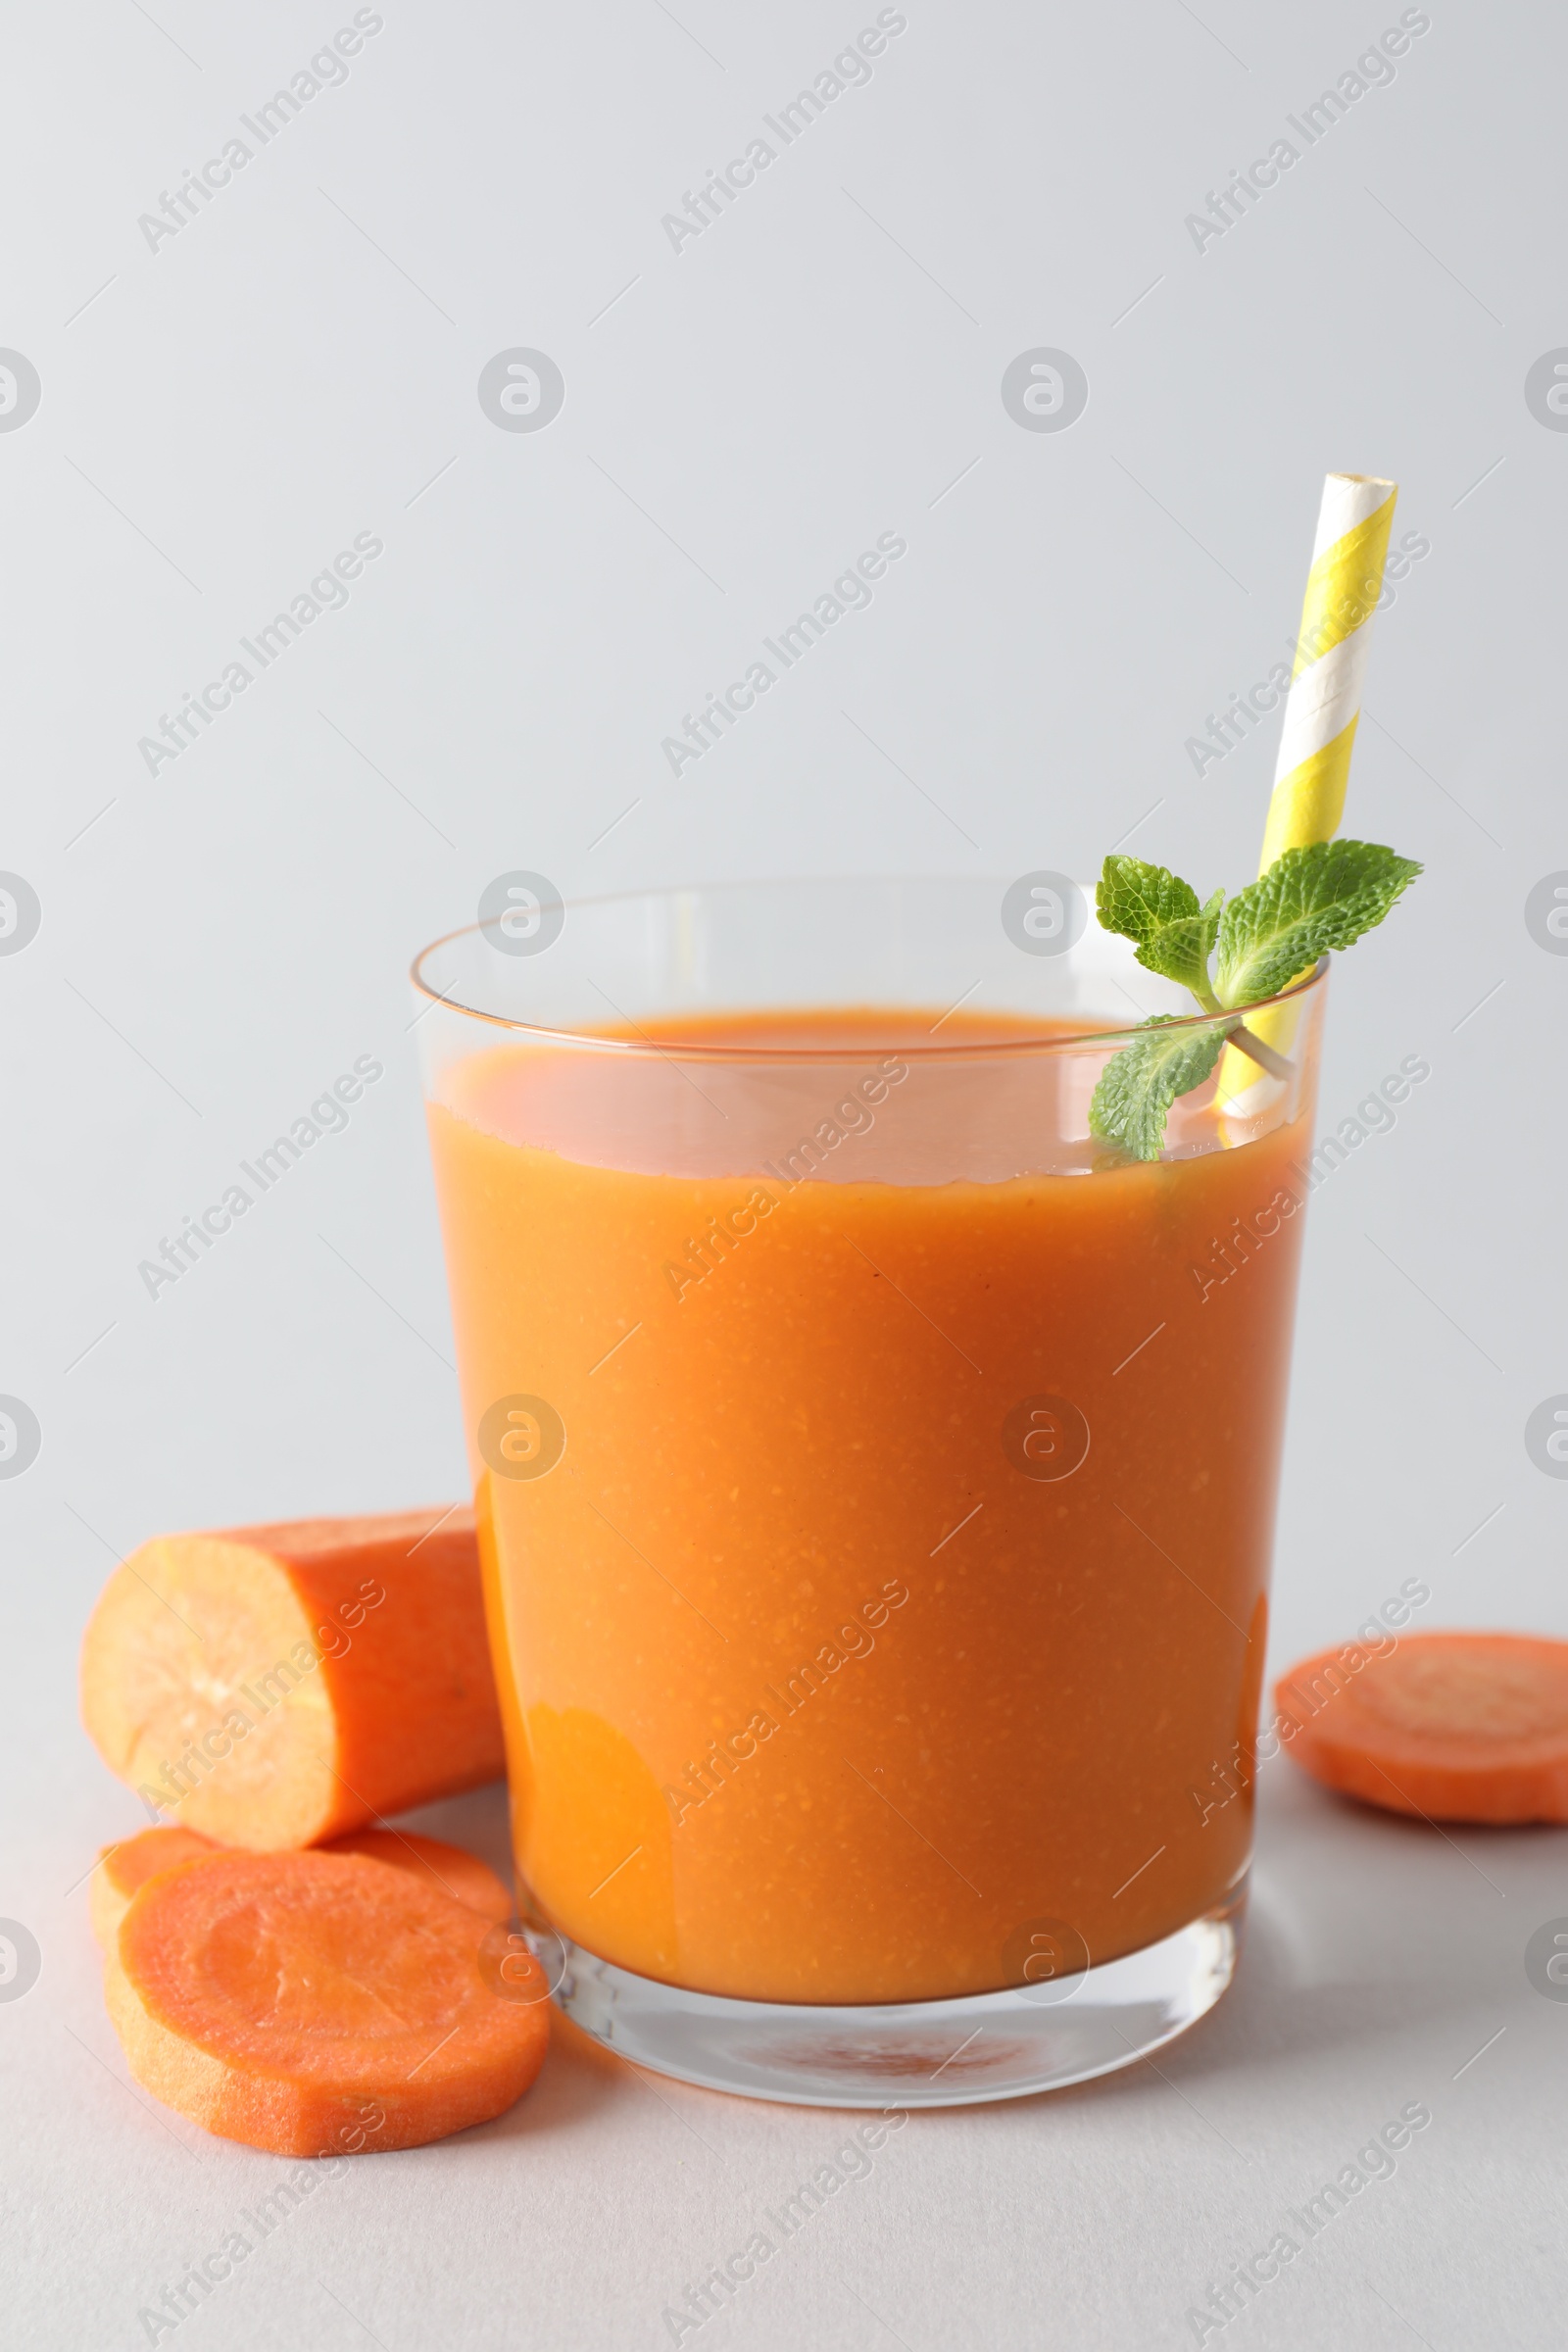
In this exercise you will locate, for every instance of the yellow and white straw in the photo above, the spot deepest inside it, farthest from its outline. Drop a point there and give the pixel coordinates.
(1324, 701)
(1321, 711)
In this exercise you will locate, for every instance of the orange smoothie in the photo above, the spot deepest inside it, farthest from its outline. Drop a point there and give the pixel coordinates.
(876, 1566)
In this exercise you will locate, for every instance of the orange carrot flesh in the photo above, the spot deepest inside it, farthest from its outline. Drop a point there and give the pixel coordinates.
(451, 1871)
(1456, 1726)
(123, 1868)
(274, 1687)
(312, 2003)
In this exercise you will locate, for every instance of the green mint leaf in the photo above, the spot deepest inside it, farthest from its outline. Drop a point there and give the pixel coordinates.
(1160, 912)
(1138, 1086)
(1180, 951)
(1138, 900)
(1311, 900)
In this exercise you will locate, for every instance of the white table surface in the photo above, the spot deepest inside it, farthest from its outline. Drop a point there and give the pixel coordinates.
(1382, 1957)
(219, 414)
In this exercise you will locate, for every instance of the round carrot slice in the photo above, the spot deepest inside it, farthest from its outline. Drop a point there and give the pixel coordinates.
(1456, 1726)
(449, 1869)
(313, 2003)
(122, 1868)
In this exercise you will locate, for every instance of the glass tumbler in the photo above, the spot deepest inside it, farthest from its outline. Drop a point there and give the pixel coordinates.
(875, 1472)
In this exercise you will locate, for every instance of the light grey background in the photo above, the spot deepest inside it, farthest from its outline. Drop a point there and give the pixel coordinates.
(220, 940)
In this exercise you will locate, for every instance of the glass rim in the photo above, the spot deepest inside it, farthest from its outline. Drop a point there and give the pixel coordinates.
(771, 1051)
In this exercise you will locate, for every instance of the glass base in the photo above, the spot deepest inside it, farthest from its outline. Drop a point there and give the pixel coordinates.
(986, 2045)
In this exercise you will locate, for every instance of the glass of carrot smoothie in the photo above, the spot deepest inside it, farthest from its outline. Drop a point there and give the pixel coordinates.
(875, 1473)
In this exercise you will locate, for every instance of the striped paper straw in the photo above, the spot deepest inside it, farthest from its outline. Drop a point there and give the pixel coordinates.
(1321, 711)
(1324, 701)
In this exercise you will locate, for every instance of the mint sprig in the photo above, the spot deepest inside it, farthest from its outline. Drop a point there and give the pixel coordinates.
(1310, 902)
(1138, 1086)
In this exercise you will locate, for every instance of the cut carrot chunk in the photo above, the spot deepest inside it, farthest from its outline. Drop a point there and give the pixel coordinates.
(314, 2003)
(1455, 1726)
(274, 1687)
(124, 1866)
(449, 1869)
